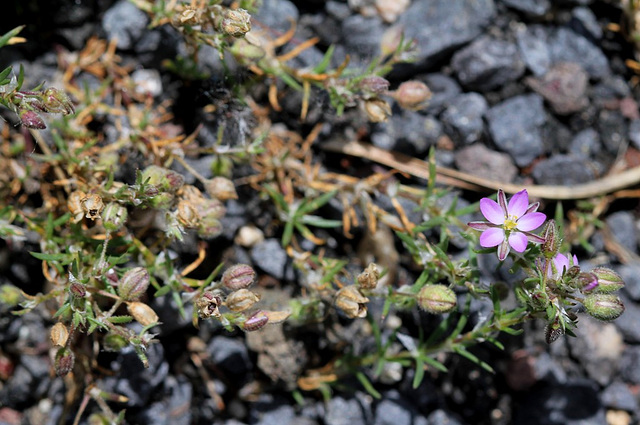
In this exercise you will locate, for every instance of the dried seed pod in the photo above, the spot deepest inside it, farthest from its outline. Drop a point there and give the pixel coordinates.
(412, 95)
(377, 110)
(187, 214)
(374, 84)
(241, 300)
(249, 236)
(78, 290)
(277, 316)
(64, 361)
(59, 335)
(238, 276)
(351, 302)
(208, 305)
(134, 284)
(92, 206)
(221, 188)
(368, 279)
(236, 22)
(256, 321)
(74, 204)
(142, 313)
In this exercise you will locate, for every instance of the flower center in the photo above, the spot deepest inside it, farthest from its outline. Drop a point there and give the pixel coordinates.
(510, 223)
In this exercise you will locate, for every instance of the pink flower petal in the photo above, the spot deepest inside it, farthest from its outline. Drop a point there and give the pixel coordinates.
(479, 225)
(518, 241)
(519, 203)
(502, 201)
(503, 250)
(562, 263)
(533, 207)
(530, 221)
(575, 261)
(492, 211)
(491, 237)
(534, 238)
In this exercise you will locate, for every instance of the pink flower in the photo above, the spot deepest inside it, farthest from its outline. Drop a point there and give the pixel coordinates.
(562, 263)
(509, 226)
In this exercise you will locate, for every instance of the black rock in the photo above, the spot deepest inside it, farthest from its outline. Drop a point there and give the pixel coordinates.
(584, 22)
(341, 411)
(515, 127)
(269, 256)
(463, 118)
(443, 417)
(362, 36)
(487, 64)
(439, 26)
(573, 403)
(612, 126)
(586, 143)
(443, 90)
(175, 406)
(629, 361)
(564, 170)
(30, 381)
(125, 22)
(407, 131)
(623, 227)
(231, 356)
(270, 410)
(619, 396)
(533, 8)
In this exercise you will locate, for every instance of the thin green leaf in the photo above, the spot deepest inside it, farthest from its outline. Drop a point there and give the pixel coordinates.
(419, 375)
(49, 257)
(288, 80)
(318, 221)
(162, 291)
(314, 204)
(326, 60)
(512, 331)
(366, 384)
(287, 234)
(20, 77)
(472, 357)
(429, 224)
(120, 319)
(4, 74)
(9, 35)
(434, 364)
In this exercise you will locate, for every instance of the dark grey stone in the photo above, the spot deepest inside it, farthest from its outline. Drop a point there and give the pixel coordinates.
(564, 170)
(341, 411)
(443, 90)
(597, 348)
(630, 364)
(584, 22)
(623, 228)
(630, 274)
(533, 8)
(534, 48)
(277, 14)
(567, 46)
(463, 118)
(269, 256)
(586, 143)
(407, 131)
(612, 126)
(634, 133)
(230, 355)
(443, 417)
(134, 381)
(175, 406)
(362, 36)
(440, 26)
(514, 126)
(619, 396)
(628, 325)
(125, 22)
(487, 64)
(393, 410)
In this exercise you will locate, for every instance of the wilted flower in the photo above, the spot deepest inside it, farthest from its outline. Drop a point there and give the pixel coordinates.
(509, 225)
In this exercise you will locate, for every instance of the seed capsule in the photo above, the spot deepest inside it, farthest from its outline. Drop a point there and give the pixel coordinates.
(374, 84)
(65, 359)
(74, 204)
(238, 276)
(78, 290)
(187, 214)
(114, 216)
(236, 23)
(603, 306)
(256, 321)
(142, 313)
(92, 206)
(208, 305)
(552, 241)
(351, 302)
(377, 110)
(221, 188)
(241, 300)
(553, 331)
(437, 299)
(32, 120)
(59, 335)
(412, 95)
(368, 279)
(134, 284)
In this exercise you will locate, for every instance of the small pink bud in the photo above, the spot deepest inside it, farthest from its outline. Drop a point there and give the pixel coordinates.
(134, 284)
(608, 280)
(32, 120)
(256, 321)
(437, 299)
(78, 290)
(238, 276)
(374, 84)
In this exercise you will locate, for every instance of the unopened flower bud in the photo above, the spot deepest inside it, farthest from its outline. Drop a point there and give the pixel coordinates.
(552, 241)
(31, 119)
(134, 284)
(437, 299)
(221, 188)
(209, 227)
(92, 206)
(187, 214)
(236, 23)
(10, 295)
(241, 300)
(142, 313)
(374, 84)
(64, 361)
(608, 280)
(59, 335)
(208, 305)
(114, 216)
(603, 306)
(256, 321)
(368, 279)
(586, 282)
(78, 290)
(412, 95)
(553, 331)
(238, 276)
(245, 52)
(165, 180)
(57, 102)
(377, 110)
(351, 302)
(114, 342)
